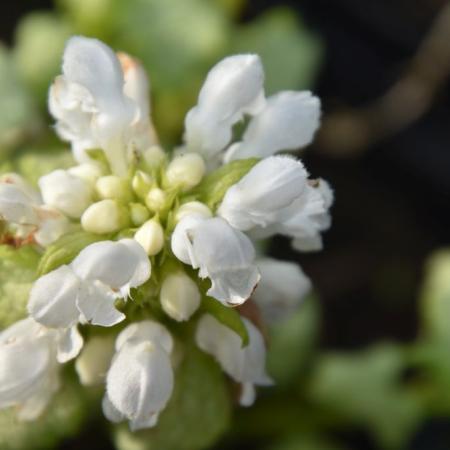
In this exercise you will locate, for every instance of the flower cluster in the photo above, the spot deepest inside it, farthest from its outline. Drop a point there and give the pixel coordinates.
(141, 241)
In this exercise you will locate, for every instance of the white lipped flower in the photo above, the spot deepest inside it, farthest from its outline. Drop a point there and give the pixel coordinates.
(21, 206)
(29, 357)
(221, 253)
(140, 381)
(309, 217)
(92, 106)
(233, 87)
(288, 122)
(86, 289)
(281, 290)
(264, 195)
(246, 365)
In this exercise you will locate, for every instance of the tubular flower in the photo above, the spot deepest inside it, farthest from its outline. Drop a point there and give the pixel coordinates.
(133, 236)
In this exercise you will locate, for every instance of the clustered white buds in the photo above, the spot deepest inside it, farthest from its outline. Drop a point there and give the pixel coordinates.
(196, 226)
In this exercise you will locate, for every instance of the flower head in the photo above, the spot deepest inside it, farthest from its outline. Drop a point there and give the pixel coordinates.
(145, 243)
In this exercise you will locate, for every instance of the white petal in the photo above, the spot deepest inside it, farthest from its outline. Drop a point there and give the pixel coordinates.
(143, 267)
(226, 257)
(233, 87)
(282, 287)
(66, 192)
(140, 382)
(147, 330)
(113, 263)
(95, 359)
(260, 197)
(110, 411)
(15, 205)
(182, 242)
(248, 394)
(70, 343)
(53, 297)
(96, 303)
(288, 122)
(52, 225)
(243, 364)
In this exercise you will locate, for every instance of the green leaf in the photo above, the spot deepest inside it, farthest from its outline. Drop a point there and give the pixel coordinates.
(435, 298)
(304, 441)
(291, 54)
(366, 389)
(196, 416)
(214, 186)
(17, 273)
(63, 418)
(65, 249)
(292, 342)
(226, 316)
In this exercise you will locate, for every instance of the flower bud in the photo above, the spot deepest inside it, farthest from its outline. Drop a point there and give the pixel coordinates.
(156, 199)
(179, 296)
(138, 214)
(186, 171)
(141, 183)
(66, 192)
(151, 237)
(189, 208)
(88, 172)
(105, 216)
(113, 187)
(154, 156)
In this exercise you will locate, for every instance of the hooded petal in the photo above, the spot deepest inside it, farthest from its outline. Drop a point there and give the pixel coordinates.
(223, 254)
(288, 122)
(147, 330)
(140, 382)
(232, 88)
(282, 287)
(115, 264)
(53, 298)
(66, 192)
(52, 225)
(244, 364)
(260, 197)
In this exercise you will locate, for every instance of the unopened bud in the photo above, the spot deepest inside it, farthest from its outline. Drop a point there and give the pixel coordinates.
(189, 208)
(179, 296)
(141, 183)
(89, 172)
(151, 237)
(113, 187)
(138, 213)
(154, 156)
(106, 216)
(186, 171)
(156, 199)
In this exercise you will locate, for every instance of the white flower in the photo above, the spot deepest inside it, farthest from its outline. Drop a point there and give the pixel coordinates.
(21, 205)
(310, 216)
(29, 355)
(288, 122)
(245, 365)
(282, 287)
(179, 296)
(139, 382)
(223, 254)
(87, 289)
(91, 104)
(262, 197)
(232, 88)
(66, 192)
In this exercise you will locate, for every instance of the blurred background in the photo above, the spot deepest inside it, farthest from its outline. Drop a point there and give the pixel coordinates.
(369, 361)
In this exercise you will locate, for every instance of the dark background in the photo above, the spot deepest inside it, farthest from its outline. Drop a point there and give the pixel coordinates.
(391, 200)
